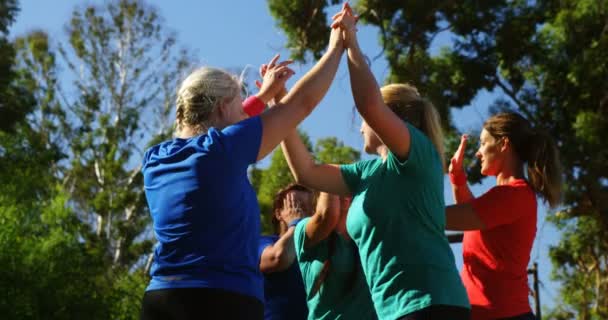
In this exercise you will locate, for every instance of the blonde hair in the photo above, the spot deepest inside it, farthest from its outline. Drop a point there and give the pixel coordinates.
(534, 147)
(406, 102)
(200, 93)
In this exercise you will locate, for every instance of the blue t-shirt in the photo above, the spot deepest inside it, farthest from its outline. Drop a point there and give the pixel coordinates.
(284, 293)
(205, 211)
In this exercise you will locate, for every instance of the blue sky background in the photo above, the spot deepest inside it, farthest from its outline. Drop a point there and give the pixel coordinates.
(235, 34)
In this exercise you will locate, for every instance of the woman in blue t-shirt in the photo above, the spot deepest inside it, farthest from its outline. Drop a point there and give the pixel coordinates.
(205, 212)
(397, 216)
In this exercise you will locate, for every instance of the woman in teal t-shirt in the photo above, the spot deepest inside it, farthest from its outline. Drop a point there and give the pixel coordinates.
(329, 261)
(397, 216)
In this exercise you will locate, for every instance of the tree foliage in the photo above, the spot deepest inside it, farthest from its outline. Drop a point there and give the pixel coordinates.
(546, 60)
(72, 215)
(126, 68)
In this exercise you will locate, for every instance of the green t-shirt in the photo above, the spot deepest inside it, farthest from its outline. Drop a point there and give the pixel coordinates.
(343, 294)
(397, 220)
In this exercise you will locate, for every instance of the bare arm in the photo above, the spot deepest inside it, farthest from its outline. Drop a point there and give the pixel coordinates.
(305, 171)
(460, 189)
(391, 130)
(462, 217)
(280, 255)
(322, 177)
(279, 121)
(323, 222)
(462, 194)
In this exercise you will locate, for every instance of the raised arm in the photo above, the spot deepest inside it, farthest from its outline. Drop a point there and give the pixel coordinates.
(324, 221)
(391, 130)
(280, 120)
(280, 255)
(322, 177)
(458, 177)
(461, 217)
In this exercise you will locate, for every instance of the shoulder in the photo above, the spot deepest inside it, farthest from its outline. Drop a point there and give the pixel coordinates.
(360, 167)
(519, 191)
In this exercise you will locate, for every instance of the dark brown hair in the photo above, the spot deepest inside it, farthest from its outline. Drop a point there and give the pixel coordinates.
(534, 147)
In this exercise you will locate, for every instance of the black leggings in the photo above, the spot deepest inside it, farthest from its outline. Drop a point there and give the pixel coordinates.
(199, 303)
(439, 312)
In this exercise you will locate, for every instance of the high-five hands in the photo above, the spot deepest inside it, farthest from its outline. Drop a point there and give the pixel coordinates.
(346, 21)
(274, 76)
(456, 168)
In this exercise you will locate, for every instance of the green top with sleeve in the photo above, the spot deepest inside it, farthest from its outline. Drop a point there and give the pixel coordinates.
(397, 220)
(344, 294)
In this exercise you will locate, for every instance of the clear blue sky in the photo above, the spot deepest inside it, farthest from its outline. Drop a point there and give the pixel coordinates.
(234, 34)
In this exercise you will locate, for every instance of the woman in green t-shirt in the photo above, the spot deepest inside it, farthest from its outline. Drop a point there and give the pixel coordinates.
(329, 262)
(397, 216)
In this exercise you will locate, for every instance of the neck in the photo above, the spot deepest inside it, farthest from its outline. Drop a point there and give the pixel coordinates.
(189, 132)
(512, 170)
(382, 151)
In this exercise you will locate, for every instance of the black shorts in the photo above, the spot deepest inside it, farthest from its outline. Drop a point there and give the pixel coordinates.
(199, 303)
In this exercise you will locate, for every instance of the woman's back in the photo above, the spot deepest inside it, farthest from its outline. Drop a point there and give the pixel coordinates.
(205, 212)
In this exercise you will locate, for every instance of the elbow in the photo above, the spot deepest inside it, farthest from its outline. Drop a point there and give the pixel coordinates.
(284, 263)
(281, 261)
(278, 261)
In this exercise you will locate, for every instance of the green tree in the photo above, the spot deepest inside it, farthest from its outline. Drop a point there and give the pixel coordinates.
(546, 59)
(44, 262)
(73, 219)
(15, 102)
(47, 271)
(126, 68)
(267, 182)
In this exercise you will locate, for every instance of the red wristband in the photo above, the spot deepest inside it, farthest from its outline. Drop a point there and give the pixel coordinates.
(253, 106)
(458, 179)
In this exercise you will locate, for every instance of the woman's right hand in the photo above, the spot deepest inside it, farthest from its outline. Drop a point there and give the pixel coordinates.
(292, 209)
(346, 21)
(456, 168)
(274, 76)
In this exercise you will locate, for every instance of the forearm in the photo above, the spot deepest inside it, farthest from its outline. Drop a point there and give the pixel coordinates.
(366, 92)
(280, 255)
(273, 102)
(462, 193)
(298, 157)
(285, 246)
(324, 221)
(309, 90)
(328, 209)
